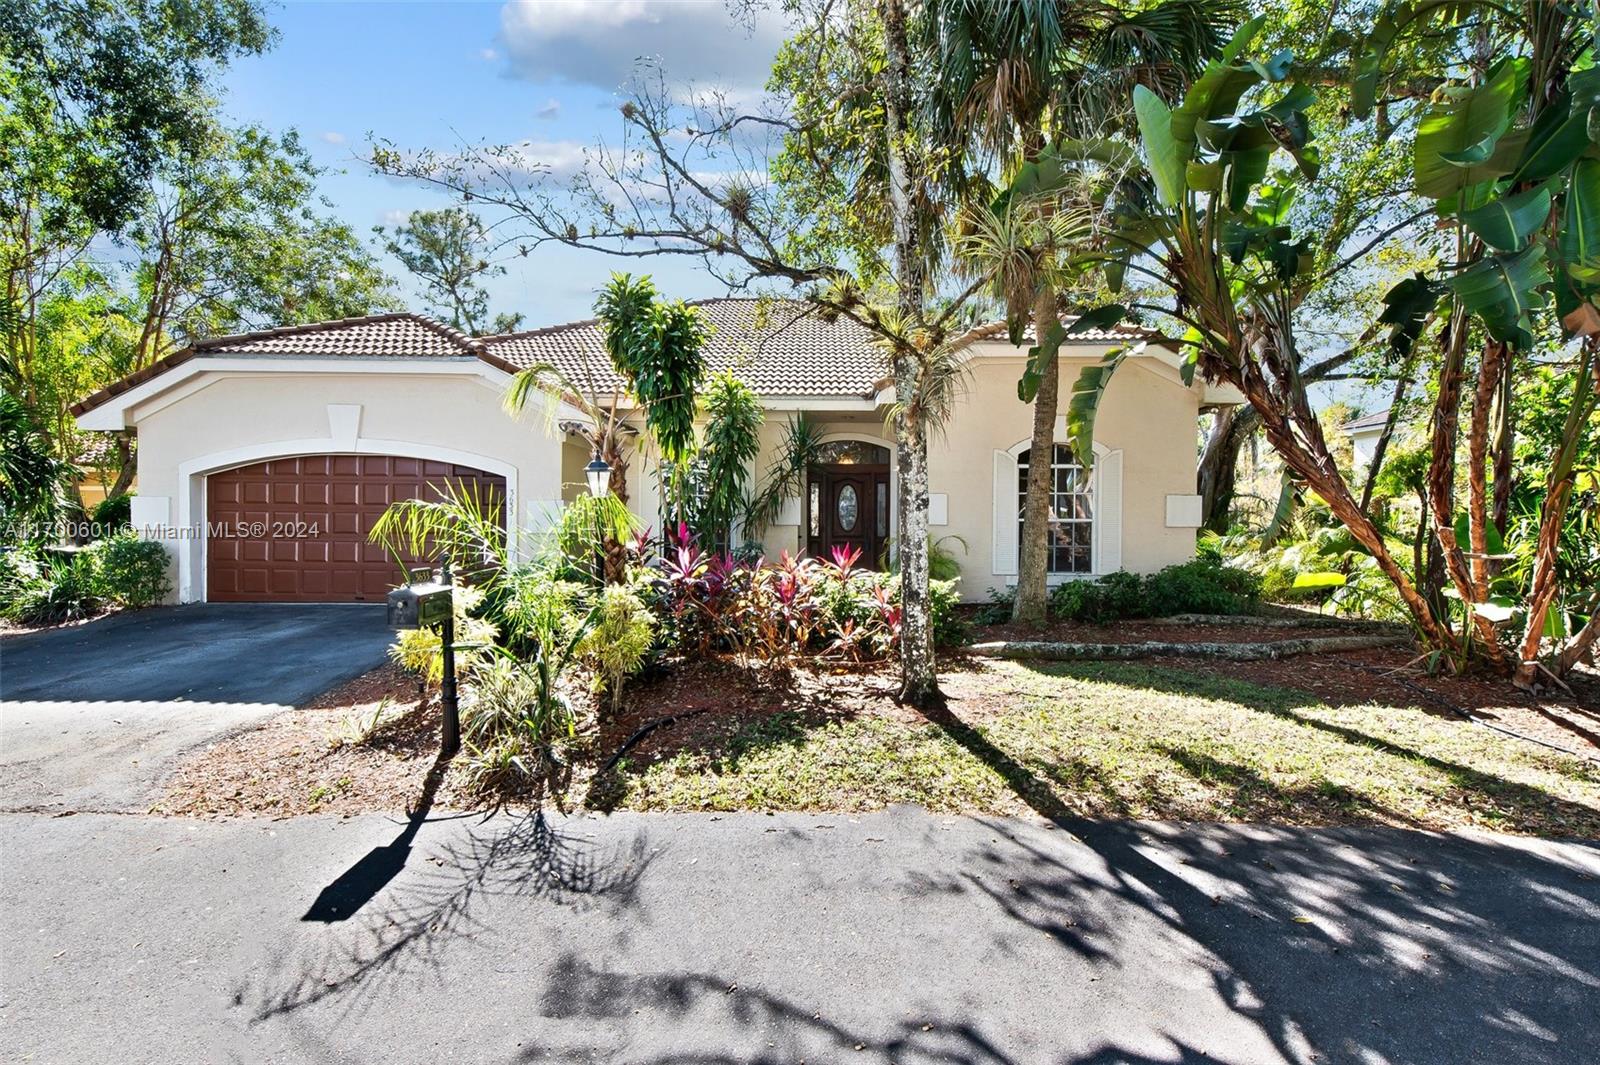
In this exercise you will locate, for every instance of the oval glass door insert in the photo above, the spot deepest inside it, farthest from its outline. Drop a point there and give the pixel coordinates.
(848, 505)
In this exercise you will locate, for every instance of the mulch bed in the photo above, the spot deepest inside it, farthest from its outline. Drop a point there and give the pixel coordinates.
(327, 757)
(1393, 676)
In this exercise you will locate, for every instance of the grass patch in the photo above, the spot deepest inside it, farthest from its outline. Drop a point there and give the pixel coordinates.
(1121, 739)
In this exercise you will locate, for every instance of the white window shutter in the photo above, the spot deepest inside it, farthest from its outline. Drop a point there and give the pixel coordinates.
(1108, 512)
(1005, 514)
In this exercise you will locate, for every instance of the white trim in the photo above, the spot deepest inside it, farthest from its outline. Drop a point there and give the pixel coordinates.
(344, 424)
(191, 549)
(1105, 508)
(834, 403)
(1183, 512)
(124, 411)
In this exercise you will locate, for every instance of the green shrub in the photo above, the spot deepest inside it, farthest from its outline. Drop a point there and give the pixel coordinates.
(997, 611)
(54, 590)
(131, 572)
(949, 628)
(1201, 587)
(1116, 595)
(516, 725)
(113, 515)
(619, 641)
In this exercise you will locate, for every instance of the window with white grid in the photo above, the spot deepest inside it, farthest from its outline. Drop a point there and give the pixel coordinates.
(1070, 537)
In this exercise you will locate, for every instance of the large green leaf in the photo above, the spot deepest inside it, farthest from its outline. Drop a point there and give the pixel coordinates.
(1282, 514)
(1493, 542)
(1507, 223)
(1580, 222)
(1561, 134)
(1049, 342)
(1502, 291)
(1167, 161)
(1242, 38)
(1456, 137)
(1087, 391)
(1107, 317)
(1374, 50)
(1406, 309)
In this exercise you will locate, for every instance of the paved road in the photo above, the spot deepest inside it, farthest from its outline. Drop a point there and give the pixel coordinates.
(95, 715)
(900, 937)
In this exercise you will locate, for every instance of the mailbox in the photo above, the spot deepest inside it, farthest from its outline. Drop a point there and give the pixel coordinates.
(418, 606)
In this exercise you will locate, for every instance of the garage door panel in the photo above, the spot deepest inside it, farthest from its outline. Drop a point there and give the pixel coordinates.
(261, 511)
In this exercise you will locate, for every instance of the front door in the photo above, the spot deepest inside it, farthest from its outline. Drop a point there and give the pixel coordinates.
(850, 511)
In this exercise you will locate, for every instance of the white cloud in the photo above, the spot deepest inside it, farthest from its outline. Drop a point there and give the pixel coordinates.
(333, 137)
(394, 218)
(549, 111)
(489, 55)
(597, 42)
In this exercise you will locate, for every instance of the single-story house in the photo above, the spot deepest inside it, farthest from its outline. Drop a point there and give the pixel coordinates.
(264, 458)
(1364, 434)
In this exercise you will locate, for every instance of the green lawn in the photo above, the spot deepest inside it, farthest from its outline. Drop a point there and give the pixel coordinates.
(1128, 740)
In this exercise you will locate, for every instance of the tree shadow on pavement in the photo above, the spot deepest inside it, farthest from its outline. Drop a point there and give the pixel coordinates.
(403, 933)
(721, 1020)
(1344, 943)
(359, 884)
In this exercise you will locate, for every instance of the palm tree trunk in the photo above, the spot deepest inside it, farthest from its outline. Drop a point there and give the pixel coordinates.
(1558, 493)
(1489, 371)
(1505, 442)
(1032, 602)
(919, 678)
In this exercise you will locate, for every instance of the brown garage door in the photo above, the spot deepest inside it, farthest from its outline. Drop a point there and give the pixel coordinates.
(295, 530)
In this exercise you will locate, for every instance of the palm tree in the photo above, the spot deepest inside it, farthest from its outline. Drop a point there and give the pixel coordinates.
(1016, 76)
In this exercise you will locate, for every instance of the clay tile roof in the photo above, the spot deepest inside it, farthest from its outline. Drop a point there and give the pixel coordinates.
(1105, 336)
(97, 450)
(777, 347)
(401, 335)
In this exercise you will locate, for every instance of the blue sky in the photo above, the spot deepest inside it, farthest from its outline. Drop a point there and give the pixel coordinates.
(431, 75)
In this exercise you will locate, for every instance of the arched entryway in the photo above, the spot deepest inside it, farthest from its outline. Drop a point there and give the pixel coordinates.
(848, 501)
(294, 530)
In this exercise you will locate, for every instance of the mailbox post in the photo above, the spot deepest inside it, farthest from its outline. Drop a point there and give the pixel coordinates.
(423, 603)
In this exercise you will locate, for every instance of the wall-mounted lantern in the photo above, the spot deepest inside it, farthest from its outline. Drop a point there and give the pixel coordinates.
(598, 474)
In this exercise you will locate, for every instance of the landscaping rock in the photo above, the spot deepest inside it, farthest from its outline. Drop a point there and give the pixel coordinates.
(1064, 652)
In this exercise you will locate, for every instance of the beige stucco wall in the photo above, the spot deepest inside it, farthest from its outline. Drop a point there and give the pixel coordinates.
(234, 419)
(223, 419)
(1147, 415)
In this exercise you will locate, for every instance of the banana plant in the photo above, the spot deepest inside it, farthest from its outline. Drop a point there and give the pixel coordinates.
(1207, 217)
(1512, 165)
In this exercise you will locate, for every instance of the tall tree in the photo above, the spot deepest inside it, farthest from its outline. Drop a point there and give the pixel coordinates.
(1012, 75)
(124, 84)
(449, 252)
(836, 190)
(1213, 220)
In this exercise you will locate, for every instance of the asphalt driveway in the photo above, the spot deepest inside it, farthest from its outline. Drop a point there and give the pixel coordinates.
(93, 716)
(891, 938)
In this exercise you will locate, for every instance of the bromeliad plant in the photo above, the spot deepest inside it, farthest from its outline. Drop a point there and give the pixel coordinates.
(1508, 160)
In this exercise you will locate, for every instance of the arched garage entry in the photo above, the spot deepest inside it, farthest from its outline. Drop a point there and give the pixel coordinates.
(294, 530)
